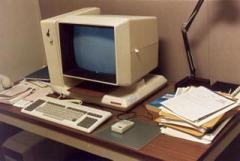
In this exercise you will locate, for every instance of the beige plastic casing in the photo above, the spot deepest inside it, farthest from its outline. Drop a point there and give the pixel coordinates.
(136, 46)
(50, 34)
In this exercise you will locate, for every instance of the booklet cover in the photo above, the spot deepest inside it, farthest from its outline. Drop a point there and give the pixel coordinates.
(39, 75)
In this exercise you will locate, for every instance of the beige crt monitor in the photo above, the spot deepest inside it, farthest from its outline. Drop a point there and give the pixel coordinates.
(109, 49)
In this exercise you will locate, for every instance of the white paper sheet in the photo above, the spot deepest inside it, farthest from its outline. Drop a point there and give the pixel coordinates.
(197, 103)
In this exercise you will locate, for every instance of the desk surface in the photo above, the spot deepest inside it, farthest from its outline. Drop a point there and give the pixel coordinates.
(160, 148)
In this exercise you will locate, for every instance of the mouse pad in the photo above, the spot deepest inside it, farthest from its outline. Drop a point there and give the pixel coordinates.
(139, 135)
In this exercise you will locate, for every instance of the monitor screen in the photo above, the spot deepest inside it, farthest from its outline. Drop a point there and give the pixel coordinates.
(88, 52)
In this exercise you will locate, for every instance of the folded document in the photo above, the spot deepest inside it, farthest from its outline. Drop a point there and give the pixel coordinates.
(23, 94)
(14, 94)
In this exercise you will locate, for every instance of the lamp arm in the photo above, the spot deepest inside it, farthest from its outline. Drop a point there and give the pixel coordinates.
(193, 14)
(188, 53)
(185, 27)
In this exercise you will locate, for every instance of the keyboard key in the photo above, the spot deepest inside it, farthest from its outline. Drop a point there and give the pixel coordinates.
(34, 105)
(60, 112)
(94, 114)
(87, 122)
(74, 109)
(54, 117)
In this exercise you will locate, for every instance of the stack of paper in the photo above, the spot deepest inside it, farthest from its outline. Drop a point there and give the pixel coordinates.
(23, 94)
(196, 114)
(14, 94)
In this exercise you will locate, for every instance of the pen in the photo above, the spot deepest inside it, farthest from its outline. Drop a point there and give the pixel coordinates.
(236, 91)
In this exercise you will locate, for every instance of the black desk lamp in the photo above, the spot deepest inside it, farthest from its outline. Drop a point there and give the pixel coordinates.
(192, 79)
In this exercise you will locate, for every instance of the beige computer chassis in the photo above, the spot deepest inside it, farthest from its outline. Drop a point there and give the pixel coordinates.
(52, 47)
(124, 98)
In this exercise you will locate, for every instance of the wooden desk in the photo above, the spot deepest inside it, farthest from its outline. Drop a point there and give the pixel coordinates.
(163, 147)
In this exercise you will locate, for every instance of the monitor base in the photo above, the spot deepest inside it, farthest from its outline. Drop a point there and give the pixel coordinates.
(119, 98)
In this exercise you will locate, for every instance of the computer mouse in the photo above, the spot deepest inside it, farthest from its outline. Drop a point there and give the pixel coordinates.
(122, 126)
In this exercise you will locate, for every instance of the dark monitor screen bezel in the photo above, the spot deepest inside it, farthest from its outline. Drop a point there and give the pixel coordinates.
(69, 65)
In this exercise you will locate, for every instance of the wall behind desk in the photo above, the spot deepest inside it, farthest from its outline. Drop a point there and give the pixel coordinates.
(214, 35)
(21, 46)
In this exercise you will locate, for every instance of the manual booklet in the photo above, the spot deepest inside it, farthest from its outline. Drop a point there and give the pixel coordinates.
(39, 75)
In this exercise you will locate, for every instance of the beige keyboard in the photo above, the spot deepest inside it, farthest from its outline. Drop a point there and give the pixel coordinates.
(76, 116)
